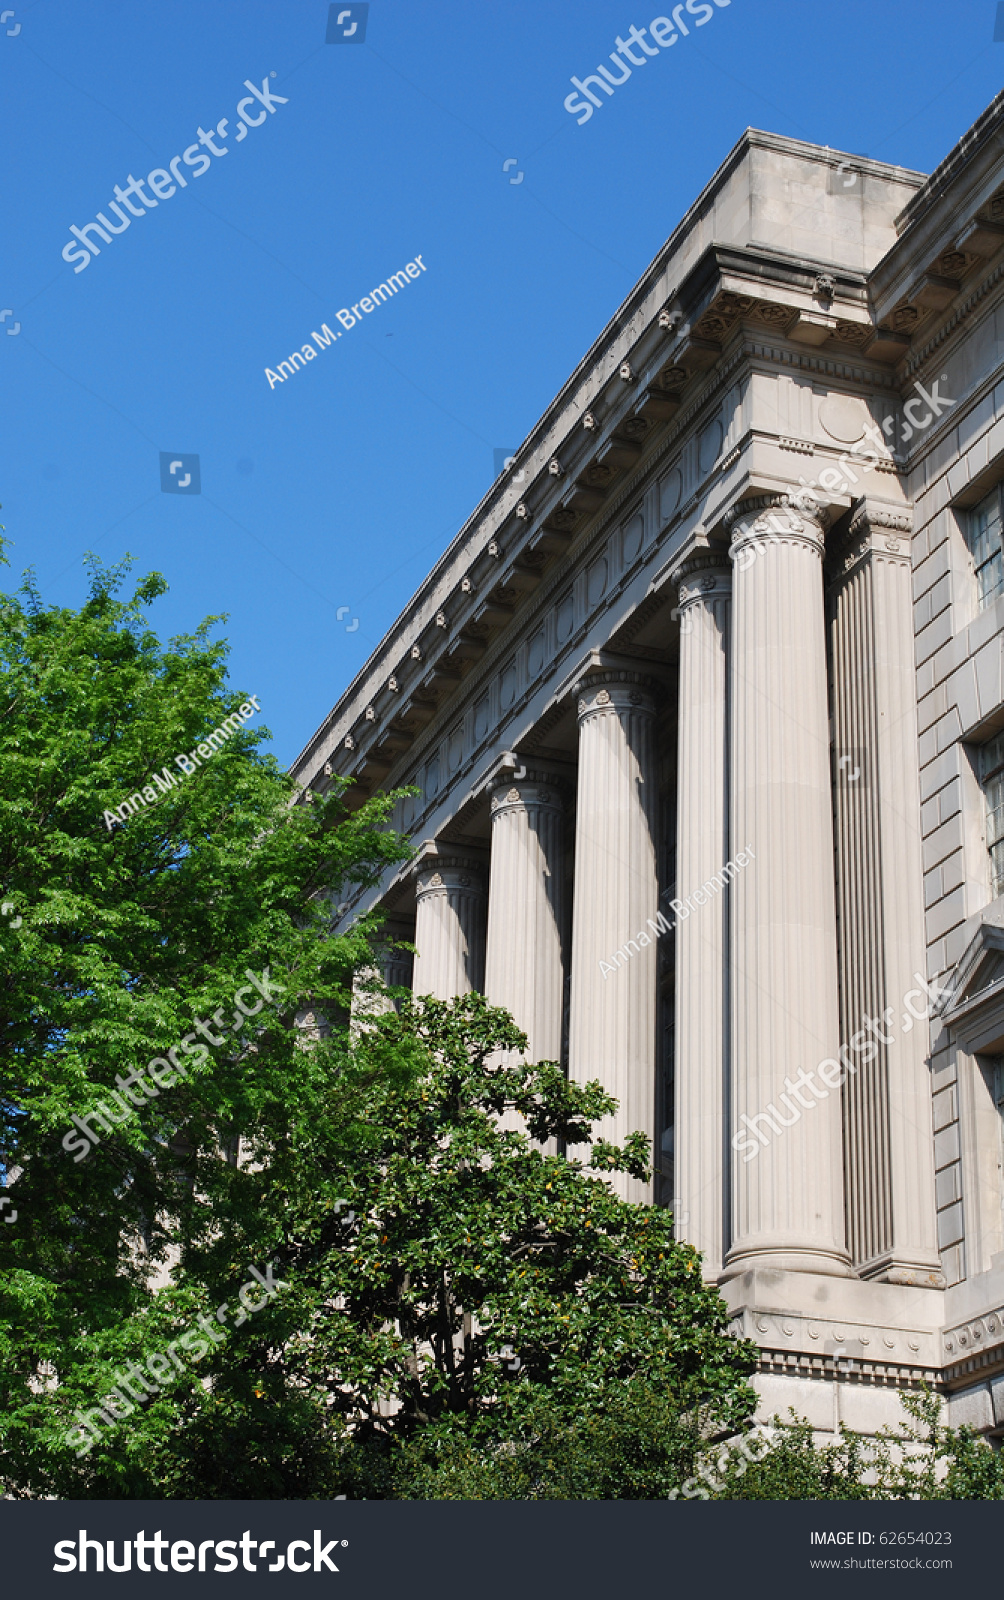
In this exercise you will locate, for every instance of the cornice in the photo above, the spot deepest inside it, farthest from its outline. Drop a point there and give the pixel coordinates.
(667, 345)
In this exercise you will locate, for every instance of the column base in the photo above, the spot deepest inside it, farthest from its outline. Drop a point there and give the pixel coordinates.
(778, 1256)
(921, 1272)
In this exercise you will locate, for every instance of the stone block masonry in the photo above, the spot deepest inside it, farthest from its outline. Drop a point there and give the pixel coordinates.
(348, 319)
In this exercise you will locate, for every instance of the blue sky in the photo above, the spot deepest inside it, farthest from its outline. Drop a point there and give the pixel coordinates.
(342, 486)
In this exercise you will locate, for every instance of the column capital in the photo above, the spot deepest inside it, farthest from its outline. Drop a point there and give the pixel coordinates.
(778, 518)
(442, 873)
(703, 578)
(532, 790)
(875, 531)
(614, 690)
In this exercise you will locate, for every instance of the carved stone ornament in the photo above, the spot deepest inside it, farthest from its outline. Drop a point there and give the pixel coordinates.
(328, 769)
(512, 796)
(544, 796)
(440, 619)
(370, 714)
(824, 285)
(521, 510)
(603, 698)
(893, 544)
(589, 421)
(466, 585)
(635, 698)
(416, 654)
(634, 427)
(436, 881)
(392, 684)
(493, 547)
(465, 881)
(350, 743)
(672, 377)
(625, 371)
(712, 327)
(581, 707)
(775, 315)
(707, 583)
(554, 467)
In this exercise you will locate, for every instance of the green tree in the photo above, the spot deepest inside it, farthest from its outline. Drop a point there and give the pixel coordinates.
(117, 942)
(475, 1298)
(459, 1312)
(921, 1460)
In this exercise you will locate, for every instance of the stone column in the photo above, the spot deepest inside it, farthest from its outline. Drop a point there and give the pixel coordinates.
(613, 993)
(702, 938)
(449, 928)
(888, 1139)
(393, 967)
(397, 965)
(787, 1181)
(523, 970)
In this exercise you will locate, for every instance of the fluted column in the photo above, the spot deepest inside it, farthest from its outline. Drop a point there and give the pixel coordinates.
(393, 968)
(449, 928)
(523, 968)
(701, 1044)
(787, 1185)
(612, 1021)
(888, 1142)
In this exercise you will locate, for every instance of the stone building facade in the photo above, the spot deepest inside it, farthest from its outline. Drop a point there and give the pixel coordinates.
(705, 705)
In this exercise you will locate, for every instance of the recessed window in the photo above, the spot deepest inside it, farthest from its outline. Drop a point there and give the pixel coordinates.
(992, 779)
(983, 536)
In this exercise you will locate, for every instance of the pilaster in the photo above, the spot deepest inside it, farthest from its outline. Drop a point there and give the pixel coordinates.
(888, 1138)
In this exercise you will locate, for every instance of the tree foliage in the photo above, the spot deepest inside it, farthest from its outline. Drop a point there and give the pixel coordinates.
(112, 944)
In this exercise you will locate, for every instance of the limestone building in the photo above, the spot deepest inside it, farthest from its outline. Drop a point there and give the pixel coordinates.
(738, 603)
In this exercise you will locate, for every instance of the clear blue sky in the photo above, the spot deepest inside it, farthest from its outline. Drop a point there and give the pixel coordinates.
(343, 485)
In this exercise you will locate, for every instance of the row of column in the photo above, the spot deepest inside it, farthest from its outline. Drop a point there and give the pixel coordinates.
(766, 986)
(755, 770)
(521, 964)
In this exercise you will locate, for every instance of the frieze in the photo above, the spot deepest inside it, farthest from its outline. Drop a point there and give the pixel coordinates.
(978, 1334)
(916, 358)
(794, 1340)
